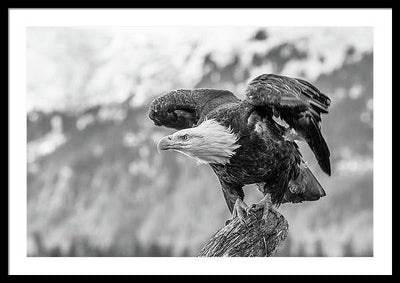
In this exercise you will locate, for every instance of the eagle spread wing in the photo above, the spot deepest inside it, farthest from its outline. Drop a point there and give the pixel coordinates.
(299, 104)
(183, 108)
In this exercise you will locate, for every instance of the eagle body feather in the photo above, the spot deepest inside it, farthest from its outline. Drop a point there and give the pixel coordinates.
(263, 154)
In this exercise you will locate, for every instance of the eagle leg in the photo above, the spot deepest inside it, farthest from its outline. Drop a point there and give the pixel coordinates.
(265, 204)
(240, 209)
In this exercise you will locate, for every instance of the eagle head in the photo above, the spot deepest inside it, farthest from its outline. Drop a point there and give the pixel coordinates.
(209, 142)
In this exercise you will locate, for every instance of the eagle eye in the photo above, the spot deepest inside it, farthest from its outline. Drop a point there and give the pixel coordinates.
(185, 137)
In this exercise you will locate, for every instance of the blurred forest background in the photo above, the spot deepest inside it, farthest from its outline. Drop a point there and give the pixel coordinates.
(97, 185)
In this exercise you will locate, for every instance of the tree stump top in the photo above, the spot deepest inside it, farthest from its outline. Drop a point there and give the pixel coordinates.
(257, 239)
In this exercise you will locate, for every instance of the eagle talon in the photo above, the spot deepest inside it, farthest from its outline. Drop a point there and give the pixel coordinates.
(265, 204)
(240, 210)
(251, 212)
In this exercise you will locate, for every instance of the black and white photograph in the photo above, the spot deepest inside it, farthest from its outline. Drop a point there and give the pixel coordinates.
(197, 141)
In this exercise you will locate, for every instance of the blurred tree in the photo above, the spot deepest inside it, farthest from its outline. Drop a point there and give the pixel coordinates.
(318, 249)
(348, 248)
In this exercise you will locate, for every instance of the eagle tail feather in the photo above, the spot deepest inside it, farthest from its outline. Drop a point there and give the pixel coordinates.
(305, 188)
(316, 142)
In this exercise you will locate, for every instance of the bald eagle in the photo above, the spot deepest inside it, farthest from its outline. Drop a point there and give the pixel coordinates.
(250, 141)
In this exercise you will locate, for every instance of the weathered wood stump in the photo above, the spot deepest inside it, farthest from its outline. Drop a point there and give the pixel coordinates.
(258, 239)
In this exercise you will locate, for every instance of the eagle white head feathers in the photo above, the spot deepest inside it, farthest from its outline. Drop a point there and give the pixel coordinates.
(209, 142)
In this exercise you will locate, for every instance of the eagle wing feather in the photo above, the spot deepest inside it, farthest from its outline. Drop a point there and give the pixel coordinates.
(183, 108)
(299, 104)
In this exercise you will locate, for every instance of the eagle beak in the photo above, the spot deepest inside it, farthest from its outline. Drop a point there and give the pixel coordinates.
(164, 143)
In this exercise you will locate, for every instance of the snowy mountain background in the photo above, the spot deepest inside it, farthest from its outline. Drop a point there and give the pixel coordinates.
(96, 183)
